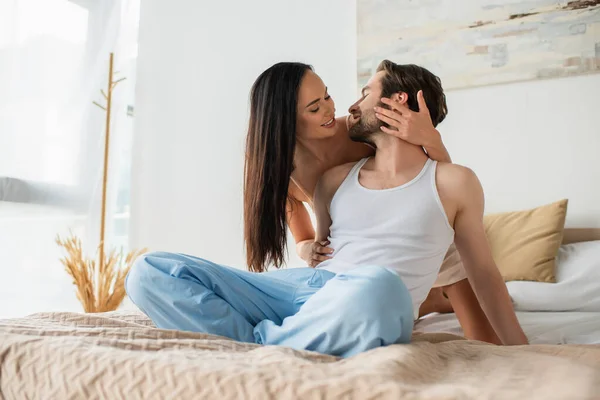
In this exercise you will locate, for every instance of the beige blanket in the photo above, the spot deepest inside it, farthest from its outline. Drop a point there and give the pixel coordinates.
(120, 355)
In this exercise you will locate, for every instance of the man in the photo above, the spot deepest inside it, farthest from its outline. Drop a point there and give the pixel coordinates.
(402, 211)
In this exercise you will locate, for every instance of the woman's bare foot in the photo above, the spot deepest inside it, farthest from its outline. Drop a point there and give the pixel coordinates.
(435, 302)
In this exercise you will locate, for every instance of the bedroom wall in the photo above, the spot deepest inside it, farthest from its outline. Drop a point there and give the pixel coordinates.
(197, 62)
(531, 143)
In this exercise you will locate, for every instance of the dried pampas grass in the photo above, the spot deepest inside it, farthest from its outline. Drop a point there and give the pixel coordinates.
(100, 284)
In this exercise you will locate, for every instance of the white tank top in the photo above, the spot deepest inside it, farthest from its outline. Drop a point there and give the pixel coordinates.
(404, 229)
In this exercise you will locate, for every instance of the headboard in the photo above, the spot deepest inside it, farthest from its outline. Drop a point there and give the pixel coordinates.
(574, 235)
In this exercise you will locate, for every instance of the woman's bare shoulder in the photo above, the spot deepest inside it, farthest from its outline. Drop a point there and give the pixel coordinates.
(296, 193)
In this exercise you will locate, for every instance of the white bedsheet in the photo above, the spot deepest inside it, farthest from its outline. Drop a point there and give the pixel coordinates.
(540, 327)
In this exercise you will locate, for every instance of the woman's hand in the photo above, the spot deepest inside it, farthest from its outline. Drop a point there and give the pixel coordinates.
(411, 126)
(315, 253)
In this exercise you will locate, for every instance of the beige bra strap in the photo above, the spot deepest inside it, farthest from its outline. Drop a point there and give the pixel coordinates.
(301, 189)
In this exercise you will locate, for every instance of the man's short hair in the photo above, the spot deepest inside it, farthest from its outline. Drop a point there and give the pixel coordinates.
(410, 78)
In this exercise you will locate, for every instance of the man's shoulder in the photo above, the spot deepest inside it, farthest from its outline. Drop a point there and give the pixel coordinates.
(455, 174)
(457, 184)
(333, 178)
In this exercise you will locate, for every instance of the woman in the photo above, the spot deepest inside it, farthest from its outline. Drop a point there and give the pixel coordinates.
(293, 137)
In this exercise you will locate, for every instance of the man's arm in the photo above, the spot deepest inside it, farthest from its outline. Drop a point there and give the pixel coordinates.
(321, 200)
(475, 324)
(481, 269)
(324, 191)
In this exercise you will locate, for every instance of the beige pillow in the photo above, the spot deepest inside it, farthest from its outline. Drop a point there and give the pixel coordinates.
(525, 243)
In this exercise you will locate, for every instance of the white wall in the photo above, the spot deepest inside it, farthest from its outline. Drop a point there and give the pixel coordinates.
(531, 143)
(197, 62)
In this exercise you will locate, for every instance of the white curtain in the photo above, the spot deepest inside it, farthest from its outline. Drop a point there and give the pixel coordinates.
(53, 63)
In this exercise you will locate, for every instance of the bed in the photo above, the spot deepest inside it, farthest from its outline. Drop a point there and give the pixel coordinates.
(540, 327)
(122, 355)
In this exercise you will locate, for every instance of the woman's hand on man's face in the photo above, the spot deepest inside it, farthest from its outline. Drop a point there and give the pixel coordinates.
(411, 126)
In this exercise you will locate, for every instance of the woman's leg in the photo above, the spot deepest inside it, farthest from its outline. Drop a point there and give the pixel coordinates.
(364, 308)
(435, 302)
(188, 293)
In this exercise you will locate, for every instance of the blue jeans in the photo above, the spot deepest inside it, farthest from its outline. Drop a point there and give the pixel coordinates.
(301, 308)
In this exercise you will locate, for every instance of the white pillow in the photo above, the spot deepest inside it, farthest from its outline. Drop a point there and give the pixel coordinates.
(577, 286)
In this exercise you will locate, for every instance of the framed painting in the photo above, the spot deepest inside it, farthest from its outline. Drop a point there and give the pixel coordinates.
(481, 42)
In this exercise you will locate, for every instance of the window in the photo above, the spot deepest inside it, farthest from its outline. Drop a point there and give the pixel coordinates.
(53, 63)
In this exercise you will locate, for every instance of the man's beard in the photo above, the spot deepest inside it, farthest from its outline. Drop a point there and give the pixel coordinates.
(365, 128)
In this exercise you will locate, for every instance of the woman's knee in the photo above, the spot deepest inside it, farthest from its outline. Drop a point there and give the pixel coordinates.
(152, 272)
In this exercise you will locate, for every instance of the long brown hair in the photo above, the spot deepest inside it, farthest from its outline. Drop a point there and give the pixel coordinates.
(269, 163)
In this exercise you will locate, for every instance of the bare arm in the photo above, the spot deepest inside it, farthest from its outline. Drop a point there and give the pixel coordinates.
(483, 274)
(301, 226)
(472, 319)
(324, 191)
(321, 203)
(435, 147)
